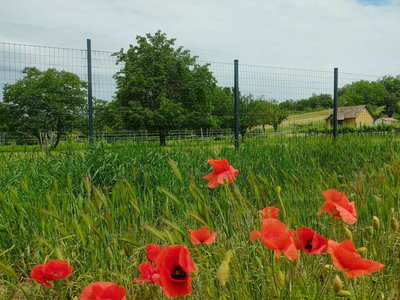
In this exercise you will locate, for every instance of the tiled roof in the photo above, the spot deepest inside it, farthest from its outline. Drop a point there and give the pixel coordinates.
(347, 112)
(389, 119)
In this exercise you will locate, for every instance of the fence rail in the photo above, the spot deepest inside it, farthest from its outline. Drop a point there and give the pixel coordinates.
(188, 137)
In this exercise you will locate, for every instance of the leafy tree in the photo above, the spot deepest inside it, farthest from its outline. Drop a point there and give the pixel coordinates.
(107, 116)
(277, 117)
(265, 111)
(249, 114)
(46, 102)
(223, 107)
(362, 93)
(315, 102)
(162, 88)
(3, 117)
(391, 99)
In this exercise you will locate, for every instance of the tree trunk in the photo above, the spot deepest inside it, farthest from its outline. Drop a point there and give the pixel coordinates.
(242, 134)
(40, 141)
(162, 136)
(57, 139)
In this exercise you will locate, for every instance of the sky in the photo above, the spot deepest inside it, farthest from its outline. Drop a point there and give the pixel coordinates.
(356, 36)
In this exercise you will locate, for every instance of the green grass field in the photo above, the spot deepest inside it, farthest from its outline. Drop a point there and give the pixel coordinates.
(99, 208)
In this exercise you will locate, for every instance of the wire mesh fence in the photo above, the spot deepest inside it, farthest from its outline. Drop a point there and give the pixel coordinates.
(203, 111)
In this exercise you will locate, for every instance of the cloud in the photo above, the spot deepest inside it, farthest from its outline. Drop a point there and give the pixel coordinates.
(355, 36)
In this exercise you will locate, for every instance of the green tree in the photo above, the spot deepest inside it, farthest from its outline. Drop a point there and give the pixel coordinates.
(277, 117)
(223, 107)
(249, 114)
(162, 88)
(3, 117)
(46, 102)
(391, 99)
(265, 111)
(363, 93)
(108, 116)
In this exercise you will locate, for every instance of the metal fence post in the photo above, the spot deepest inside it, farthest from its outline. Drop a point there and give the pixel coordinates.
(335, 102)
(90, 100)
(236, 87)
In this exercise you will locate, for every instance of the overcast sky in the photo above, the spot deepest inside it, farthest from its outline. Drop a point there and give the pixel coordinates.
(357, 36)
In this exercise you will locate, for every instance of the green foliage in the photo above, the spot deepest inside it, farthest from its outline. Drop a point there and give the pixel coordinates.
(161, 88)
(363, 93)
(391, 100)
(45, 102)
(314, 103)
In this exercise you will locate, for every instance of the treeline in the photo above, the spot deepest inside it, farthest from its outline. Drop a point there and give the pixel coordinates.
(159, 88)
(315, 102)
(381, 96)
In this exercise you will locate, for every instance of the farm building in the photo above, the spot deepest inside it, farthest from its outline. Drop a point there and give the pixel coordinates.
(385, 121)
(351, 115)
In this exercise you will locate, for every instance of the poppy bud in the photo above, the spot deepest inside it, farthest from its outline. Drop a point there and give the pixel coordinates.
(226, 180)
(229, 255)
(330, 267)
(370, 230)
(280, 278)
(337, 284)
(375, 223)
(347, 233)
(208, 290)
(223, 272)
(361, 250)
(343, 293)
(278, 189)
(394, 224)
(262, 214)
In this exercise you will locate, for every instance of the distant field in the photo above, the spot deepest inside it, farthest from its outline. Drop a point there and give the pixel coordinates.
(315, 117)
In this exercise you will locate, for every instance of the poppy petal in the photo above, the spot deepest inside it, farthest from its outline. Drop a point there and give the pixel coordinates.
(254, 235)
(290, 251)
(211, 239)
(346, 216)
(152, 251)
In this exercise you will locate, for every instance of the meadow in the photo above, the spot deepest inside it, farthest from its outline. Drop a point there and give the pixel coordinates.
(98, 208)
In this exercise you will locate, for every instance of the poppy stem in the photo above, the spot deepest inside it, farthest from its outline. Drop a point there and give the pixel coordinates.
(271, 267)
(331, 235)
(353, 280)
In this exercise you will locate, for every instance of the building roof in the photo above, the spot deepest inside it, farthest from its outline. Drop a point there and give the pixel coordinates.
(388, 119)
(348, 112)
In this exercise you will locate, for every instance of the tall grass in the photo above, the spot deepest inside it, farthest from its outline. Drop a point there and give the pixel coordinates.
(99, 208)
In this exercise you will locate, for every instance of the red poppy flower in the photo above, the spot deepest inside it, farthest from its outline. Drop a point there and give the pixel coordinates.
(202, 235)
(338, 206)
(103, 291)
(58, 269)
(269, 212)
(309, 241)
(174, 265)
(152, 251)
(345, 256)
(276, 236)
(39, 276)
(148, 272)
(52, 270)
(222, 170)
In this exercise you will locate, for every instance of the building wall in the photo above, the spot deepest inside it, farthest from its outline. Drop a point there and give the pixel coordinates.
(350, 122)
(365, 118)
